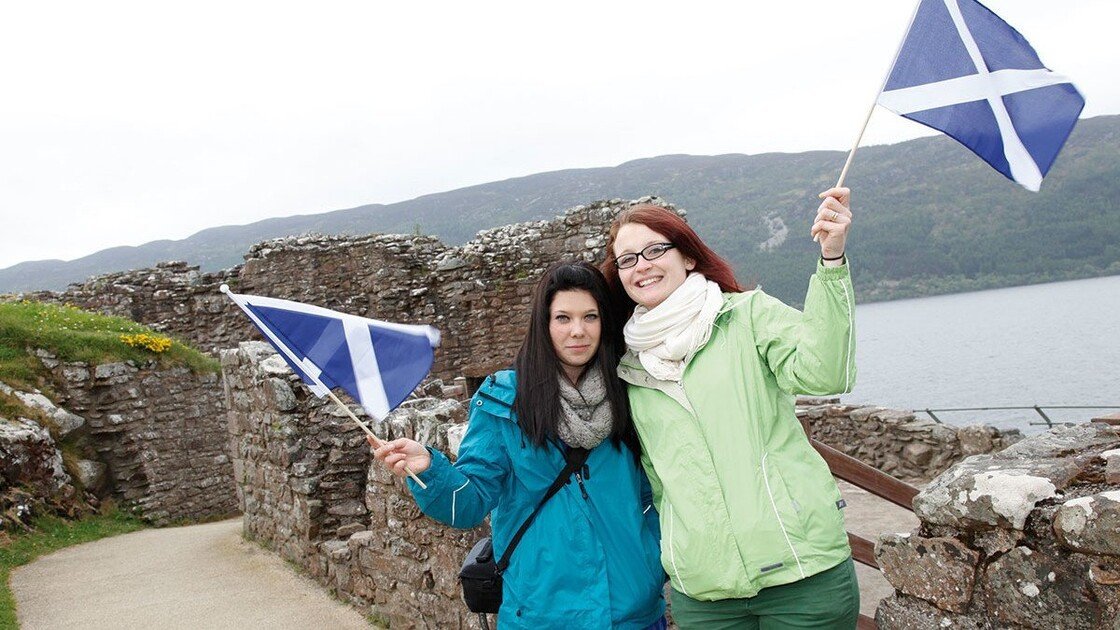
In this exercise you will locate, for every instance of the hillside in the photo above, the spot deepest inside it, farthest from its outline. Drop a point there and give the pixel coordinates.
(931, 217)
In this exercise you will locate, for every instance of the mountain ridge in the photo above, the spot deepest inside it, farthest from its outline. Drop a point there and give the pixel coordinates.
(927, 211)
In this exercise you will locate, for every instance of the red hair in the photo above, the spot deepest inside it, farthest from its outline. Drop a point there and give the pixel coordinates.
(672, 227)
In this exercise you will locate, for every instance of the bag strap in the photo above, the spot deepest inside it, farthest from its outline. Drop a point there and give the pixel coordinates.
(575, 457)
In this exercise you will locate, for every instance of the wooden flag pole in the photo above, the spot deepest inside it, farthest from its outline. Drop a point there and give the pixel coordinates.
(871, 110)
(366, 428)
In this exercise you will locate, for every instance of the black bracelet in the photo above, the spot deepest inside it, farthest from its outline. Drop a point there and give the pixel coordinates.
(837, 258)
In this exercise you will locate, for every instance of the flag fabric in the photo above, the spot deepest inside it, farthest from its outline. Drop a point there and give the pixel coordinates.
(965, 72)
(378, 363)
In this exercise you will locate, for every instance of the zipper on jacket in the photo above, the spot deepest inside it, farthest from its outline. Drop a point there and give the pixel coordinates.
(582, 490)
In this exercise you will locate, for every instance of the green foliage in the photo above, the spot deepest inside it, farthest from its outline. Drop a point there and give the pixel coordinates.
(72, 334)
(51, 534)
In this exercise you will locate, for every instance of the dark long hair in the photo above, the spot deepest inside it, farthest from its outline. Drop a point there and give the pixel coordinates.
(688, 242)
(537, 404)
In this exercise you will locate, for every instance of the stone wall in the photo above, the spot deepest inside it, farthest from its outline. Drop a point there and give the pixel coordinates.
(477, 294)
(1025, 538)
(896, 441)
(307, 490)
(159, 432)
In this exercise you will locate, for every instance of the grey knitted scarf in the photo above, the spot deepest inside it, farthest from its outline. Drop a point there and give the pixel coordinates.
(586, 419)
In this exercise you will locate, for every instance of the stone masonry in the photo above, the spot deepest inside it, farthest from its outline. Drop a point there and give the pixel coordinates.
(896, 441)
(1025, 538)
(477, 294)
(307, 489)
(159, 433)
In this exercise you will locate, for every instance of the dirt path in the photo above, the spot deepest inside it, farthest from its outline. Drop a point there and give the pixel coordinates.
(203, 576)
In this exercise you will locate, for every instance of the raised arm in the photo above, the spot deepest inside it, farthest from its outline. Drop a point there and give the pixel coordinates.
(813, 352)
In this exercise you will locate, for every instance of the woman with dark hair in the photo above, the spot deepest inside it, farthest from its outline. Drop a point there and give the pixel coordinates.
(590, 557)
(752, 533)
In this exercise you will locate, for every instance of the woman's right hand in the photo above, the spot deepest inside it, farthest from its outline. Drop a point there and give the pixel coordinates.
(402, 455)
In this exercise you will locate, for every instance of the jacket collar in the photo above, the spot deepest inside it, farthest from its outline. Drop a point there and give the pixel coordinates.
(496, 394)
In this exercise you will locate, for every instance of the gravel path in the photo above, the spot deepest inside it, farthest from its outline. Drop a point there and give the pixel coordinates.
(202, 576)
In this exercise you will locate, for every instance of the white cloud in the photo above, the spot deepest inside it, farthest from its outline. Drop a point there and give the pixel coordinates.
(125, 122)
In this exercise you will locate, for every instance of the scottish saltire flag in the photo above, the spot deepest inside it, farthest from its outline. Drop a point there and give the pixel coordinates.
(964, 71)
(377, 363)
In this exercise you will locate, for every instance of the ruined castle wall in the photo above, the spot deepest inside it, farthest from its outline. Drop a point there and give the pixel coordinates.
(160, 432)
(477, 294)
(896, 441)
(308, 491)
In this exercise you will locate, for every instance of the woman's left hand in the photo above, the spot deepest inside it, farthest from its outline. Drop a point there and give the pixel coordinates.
(834, 218)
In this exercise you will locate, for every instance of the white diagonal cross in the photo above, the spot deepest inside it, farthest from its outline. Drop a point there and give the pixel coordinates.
(984, 85)
(367, 373)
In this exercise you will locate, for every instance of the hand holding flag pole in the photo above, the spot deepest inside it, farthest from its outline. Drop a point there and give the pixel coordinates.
(963, 71)
(378, 363)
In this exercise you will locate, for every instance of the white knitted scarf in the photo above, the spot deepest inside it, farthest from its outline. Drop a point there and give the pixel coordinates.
(667, 336)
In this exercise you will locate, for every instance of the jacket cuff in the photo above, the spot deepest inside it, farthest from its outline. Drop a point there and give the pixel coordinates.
(834, 273)
(435, 477)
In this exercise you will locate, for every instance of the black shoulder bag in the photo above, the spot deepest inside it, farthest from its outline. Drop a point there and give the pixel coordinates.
(480, 576)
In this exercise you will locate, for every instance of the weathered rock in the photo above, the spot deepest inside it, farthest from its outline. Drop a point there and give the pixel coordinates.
(1091, 524)
(1002, 489)
(997, 541)
(91, 474)
(976, 439)
(899, 612)
(1039, 558)
(29, 457)
(1037, 590)
(939, 570)
(1112, 466)
(62, 420)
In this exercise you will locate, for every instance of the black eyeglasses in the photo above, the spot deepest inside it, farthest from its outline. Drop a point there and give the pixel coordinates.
(652, 252)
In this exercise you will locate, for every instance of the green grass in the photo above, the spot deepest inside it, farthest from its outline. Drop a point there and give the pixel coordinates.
(72, 334)
(51, 534)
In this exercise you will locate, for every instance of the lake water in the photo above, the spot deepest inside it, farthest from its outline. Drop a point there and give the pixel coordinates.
(1048, 344)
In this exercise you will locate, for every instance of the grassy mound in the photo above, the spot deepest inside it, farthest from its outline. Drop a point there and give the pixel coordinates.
(72, 334)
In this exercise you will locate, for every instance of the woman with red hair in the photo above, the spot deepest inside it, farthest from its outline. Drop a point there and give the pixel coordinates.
(752, 533)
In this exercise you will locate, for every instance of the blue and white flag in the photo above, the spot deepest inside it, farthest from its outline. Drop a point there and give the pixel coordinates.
(378, 363)
(964, 71)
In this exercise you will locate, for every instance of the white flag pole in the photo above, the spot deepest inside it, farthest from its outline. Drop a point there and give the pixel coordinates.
(320, 387)
(874, 102)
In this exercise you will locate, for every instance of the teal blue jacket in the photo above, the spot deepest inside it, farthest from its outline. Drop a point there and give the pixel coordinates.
(586, 561)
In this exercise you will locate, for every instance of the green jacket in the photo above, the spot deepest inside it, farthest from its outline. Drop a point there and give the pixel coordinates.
(745, 502)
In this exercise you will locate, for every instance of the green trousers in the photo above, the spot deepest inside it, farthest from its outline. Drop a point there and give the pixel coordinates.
(828, 600)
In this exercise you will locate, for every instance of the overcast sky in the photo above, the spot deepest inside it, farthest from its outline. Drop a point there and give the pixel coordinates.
(126, 122)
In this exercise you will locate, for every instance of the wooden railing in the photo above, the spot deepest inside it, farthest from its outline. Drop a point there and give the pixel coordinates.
(876, 482)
